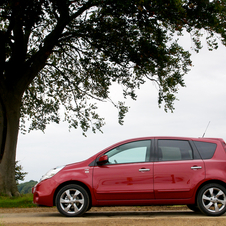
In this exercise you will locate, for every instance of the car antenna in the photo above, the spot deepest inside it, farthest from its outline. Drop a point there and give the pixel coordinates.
(206, 129)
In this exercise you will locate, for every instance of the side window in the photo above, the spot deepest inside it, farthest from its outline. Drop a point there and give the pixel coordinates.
(205, 149)
(173, 150)
(138, 151)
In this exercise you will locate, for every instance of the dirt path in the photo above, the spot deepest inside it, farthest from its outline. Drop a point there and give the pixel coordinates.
(115, 216)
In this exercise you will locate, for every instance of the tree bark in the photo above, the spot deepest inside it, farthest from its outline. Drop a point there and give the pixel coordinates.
(9, 127)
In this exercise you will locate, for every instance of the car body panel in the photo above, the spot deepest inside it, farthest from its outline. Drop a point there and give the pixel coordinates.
(123, 181)
(177, 179)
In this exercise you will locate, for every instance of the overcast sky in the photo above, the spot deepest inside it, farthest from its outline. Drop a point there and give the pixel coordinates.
(200, 102)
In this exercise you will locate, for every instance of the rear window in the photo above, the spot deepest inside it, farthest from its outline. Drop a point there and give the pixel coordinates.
(205, 149)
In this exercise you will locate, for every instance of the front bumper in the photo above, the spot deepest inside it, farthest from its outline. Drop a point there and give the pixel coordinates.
(43, 192)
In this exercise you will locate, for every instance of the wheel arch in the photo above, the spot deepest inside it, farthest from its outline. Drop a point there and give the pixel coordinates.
(208, 182)
(72, 182)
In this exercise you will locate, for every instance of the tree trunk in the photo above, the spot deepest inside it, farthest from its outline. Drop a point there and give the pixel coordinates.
(9, 127)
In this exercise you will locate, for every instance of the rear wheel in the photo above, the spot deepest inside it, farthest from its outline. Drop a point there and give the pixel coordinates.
(72, 200)
(211, 199)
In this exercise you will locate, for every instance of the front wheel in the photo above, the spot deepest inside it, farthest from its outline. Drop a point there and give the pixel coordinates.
(211, 199)
(72, 200)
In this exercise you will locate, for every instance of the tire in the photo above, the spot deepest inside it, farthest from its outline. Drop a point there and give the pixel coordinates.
(72, 200)
(194, 208)
(211, 199)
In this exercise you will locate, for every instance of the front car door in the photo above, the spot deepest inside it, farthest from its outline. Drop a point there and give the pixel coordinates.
(178, 170)
(128, 175)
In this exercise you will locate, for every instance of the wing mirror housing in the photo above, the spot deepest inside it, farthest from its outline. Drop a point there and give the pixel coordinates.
(102, 160)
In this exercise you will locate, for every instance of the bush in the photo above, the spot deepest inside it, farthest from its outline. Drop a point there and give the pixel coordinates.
(19, 175)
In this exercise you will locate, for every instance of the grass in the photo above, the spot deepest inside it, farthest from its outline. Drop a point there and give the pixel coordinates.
(24, 201)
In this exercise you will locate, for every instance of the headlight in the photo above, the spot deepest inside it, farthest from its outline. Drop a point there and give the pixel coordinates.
(52, 172)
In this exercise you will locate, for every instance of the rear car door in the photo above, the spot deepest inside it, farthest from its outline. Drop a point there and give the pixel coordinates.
(128, 175)
(178, 169)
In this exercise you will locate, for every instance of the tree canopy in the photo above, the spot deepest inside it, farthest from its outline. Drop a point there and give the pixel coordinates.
(58, 56)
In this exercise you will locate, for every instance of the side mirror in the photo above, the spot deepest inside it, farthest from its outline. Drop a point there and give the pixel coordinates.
(102, 160)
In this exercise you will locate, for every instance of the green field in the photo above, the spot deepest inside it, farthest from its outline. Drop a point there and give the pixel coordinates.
(24, 201)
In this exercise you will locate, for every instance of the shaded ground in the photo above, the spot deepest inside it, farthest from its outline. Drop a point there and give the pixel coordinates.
(110, 216)
(96, 209)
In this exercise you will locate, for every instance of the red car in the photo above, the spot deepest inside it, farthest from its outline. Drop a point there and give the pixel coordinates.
(141, 171)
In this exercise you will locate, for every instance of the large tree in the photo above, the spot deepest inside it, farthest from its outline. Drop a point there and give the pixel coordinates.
(57, 56)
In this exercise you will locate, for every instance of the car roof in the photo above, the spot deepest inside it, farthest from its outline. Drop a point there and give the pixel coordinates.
(204, 139)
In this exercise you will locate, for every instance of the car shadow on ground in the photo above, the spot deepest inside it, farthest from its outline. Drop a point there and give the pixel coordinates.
(135, 214)
(140, 213)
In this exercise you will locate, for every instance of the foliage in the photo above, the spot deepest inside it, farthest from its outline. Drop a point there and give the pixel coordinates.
(76, 49)
(23, 201)
(19, 175)
(25, 188)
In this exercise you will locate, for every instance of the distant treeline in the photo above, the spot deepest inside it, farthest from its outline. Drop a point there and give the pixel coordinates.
(25, 188)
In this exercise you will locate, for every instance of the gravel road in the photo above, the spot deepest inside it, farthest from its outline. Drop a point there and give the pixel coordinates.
(113, 216)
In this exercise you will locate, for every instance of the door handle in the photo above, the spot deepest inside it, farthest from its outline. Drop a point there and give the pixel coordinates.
(143, 170)
(196, 167)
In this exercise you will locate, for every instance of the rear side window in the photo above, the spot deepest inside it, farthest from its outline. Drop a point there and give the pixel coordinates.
(205, 149)
(173, 150)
